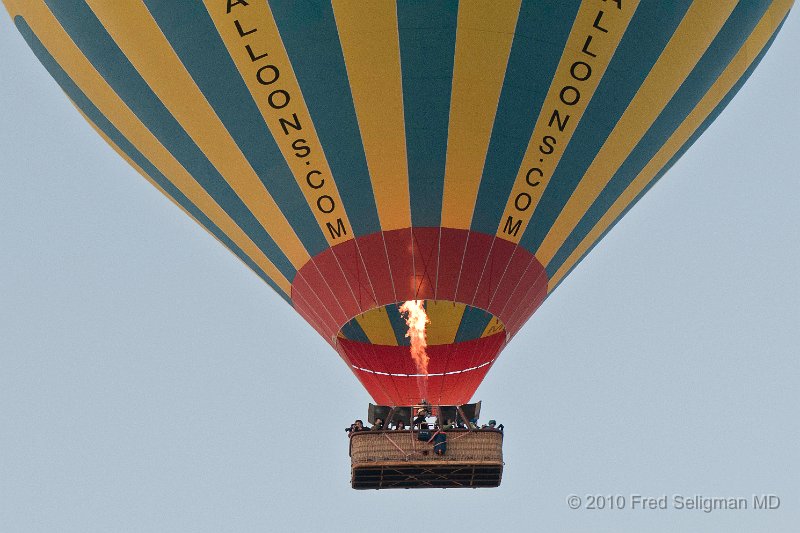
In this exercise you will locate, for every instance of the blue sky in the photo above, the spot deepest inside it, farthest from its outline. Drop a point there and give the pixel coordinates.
(150, 382)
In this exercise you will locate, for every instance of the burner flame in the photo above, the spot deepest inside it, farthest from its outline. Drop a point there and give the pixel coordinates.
(417, 320)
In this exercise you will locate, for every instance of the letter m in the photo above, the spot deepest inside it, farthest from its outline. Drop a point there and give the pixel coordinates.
(512, 229)
(338, 231)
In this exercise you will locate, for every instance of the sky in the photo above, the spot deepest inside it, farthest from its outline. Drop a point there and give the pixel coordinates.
(150, 382)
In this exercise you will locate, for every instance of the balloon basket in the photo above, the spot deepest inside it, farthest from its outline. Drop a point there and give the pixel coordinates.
(426, 458)
(399, 460)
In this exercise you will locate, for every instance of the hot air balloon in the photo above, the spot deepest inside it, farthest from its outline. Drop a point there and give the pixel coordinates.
(359, 155)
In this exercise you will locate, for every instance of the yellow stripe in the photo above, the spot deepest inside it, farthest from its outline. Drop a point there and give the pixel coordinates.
(252, 39)
(577, 76)
(371, 45)
(377, 327)
(685, 48)
(445, 318)
(58, 43)
(146, 176)
(483, 41)
(733, 72)
(139, 37)
(494, 326)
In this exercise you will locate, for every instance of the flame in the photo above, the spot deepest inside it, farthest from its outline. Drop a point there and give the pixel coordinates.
(417, 320)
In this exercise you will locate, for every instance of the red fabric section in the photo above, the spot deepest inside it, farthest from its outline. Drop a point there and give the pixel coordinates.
(531, 302)
(373, 250)
(440, 263)
(493, 272)
(477, 250)
(528, 295)
(307, 304)
(322, 292)
(350, 262)
(453, 388)
(334, 279)
(451, 252)
(400, 251)
(444, 264)
(520, 259)
(426, 258)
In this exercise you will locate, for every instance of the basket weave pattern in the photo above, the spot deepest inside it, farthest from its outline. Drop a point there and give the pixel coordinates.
(369, 448)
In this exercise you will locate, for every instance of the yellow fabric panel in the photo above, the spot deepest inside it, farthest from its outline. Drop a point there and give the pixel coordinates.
(310, 168)
(445, 318)
(375, 324)
(483, 42)
(733, 72)
(371, 45)
(140, 39)
(695, 33)
(11, 7)
(58, 43)
(551, 135)
(494, 326)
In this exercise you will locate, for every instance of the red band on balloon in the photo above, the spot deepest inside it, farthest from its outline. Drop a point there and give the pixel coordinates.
(440, 264)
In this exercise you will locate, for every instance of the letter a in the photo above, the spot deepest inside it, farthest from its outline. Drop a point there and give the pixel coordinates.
(232, 3)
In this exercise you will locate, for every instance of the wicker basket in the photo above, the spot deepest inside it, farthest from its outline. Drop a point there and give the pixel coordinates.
(397, 459)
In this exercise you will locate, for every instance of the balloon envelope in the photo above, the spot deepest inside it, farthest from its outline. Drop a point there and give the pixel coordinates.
(358, 155)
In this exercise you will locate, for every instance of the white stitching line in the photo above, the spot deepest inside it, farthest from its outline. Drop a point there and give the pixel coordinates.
(461, 266)
(413, 263)
(321, 303)
(363, 264)
(347, 282)
(389, 264)
(421, 375)
(438, 263)
(502, 276)
(325, 281)
(483, 271)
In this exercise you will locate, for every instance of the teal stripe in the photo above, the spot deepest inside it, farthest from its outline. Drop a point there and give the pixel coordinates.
(353, 331)
(215, 73)
(311, 39)
(398, 324)
(473, 323)
(702, 128)
(427, 46)
(104, 125)
(100, 49)
(648, 33)
(541, 32)
(723, 48)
